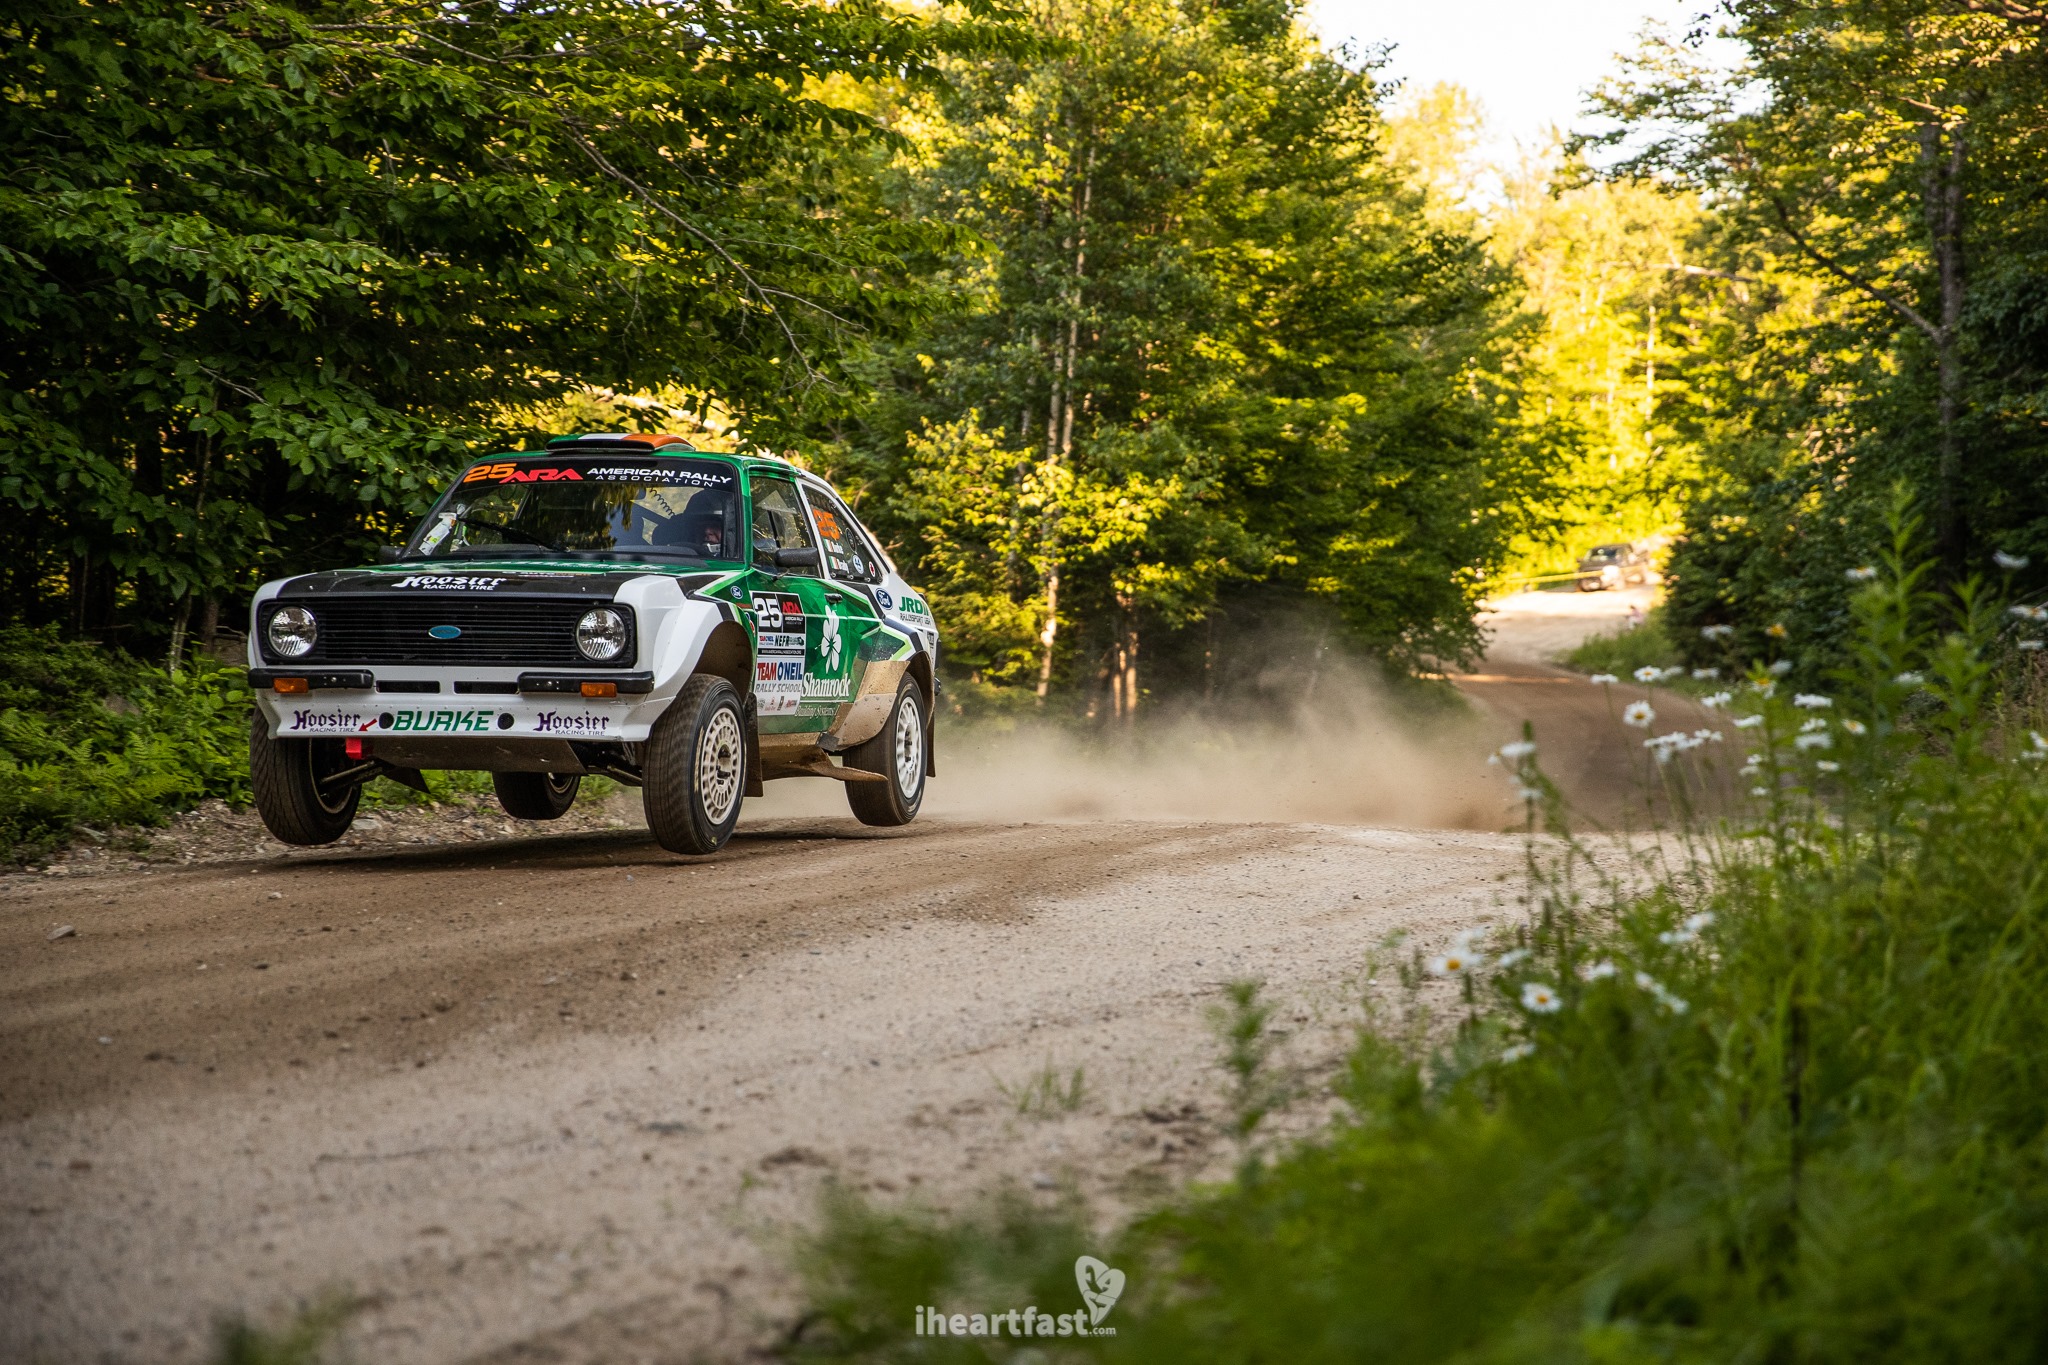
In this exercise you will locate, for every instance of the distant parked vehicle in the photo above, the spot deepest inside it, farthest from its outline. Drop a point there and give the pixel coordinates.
(1613, 566)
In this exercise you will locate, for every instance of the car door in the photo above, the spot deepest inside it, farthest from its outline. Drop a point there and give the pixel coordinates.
(792, 646)
(850, 615)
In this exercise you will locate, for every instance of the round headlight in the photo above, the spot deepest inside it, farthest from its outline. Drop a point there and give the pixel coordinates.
(292, 632)
(601, 634)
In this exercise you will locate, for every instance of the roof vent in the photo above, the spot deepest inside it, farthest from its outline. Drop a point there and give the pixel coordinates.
(621, 440)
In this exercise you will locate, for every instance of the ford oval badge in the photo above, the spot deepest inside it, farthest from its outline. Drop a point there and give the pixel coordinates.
(445, 632)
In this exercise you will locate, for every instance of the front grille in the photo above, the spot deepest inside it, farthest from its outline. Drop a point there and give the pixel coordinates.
(506, 631)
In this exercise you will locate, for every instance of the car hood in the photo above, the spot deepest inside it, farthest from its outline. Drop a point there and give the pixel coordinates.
(469, 579)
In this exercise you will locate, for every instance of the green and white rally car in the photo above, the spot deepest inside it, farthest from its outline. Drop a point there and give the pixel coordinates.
(687, 622)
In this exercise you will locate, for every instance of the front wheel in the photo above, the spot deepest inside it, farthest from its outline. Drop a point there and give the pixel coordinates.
(292, 780)
(696, 768)
(536, 796)
(897, 753)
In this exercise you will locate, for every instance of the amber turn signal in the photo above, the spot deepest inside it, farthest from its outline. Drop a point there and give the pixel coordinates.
(600, 689)
(288, 685)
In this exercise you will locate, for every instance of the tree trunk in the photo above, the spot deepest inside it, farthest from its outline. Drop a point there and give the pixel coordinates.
(1059, 426)
(1123, 680)
(1943, 199)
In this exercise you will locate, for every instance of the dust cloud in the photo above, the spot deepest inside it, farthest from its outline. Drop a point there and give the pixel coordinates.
(1356, 756)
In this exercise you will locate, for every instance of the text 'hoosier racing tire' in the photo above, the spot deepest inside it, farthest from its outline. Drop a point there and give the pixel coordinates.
(897, 753)
(695, 771)
(285, 776)
(536, 796)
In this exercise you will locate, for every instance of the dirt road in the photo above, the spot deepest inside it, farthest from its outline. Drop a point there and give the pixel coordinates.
(562, 1097)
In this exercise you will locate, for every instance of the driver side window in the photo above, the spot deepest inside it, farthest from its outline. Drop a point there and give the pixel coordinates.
(779, 521)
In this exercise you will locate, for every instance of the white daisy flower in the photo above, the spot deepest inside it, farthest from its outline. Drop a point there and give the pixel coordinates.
(2027, 613)
(1663, 996)
(1639, 714)
(1538, 998)
(1515, 1052)
(1781, 667)
(1665, 674)
(1518, 750)
(1648, 673)
(1910, 679)
(1699, 920)
(1861, 574)
(1513, 957)
(1603, 678)
(1828, 765)
(1748, 722)
(1750, 769)
(2010, 563)
(1717, 632)
(1759, 791)
(1817, 739)
(1853, 726)
(1706, 737)
(1812, 701)
(1766, 688)
(1717, 700)
(1815, 724)
(1456, 963)
(1596, 971)
(2030, 644)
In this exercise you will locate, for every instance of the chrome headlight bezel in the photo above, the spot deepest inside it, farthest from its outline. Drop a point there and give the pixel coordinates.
(292, 632)
(602, 635)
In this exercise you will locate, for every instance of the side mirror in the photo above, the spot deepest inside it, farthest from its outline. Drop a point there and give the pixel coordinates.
(802, 557)
(390, 554)
(764, 550)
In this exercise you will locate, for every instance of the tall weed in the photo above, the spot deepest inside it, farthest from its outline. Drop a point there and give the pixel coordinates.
(1770, 1088)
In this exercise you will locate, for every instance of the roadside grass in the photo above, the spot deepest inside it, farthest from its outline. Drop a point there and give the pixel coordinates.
(1775, 1091)
(1621, 652)
(89, 736)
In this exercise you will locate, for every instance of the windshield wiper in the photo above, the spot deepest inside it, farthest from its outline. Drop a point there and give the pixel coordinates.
(523, 537)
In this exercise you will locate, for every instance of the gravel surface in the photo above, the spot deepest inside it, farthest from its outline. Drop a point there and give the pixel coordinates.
(565, 1097)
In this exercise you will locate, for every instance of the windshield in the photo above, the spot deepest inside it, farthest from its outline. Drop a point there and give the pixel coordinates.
(661, 509)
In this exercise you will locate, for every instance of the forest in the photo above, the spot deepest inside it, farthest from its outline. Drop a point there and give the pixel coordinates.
(1130, 328)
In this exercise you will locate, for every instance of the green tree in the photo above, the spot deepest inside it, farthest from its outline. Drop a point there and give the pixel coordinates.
(1212, 343)
(1882, 164)
(272, 267)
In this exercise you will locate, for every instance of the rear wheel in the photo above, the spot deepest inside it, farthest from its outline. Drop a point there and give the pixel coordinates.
(696, 768)
(897, 753)
(290, 780)
(536, 796)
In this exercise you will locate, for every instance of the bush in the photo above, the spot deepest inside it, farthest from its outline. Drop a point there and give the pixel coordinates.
(1780, 1102)
(89, 736)
(1622, 652)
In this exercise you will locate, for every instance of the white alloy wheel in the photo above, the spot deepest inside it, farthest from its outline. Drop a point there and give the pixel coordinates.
(721, 765)
(909, 745)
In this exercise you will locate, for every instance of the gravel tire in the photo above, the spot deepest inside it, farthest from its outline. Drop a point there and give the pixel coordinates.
(536, 796)
(284, 773)
(696, 768)
(897, 752)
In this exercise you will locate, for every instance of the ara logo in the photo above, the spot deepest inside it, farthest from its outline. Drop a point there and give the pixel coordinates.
(445, 632)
